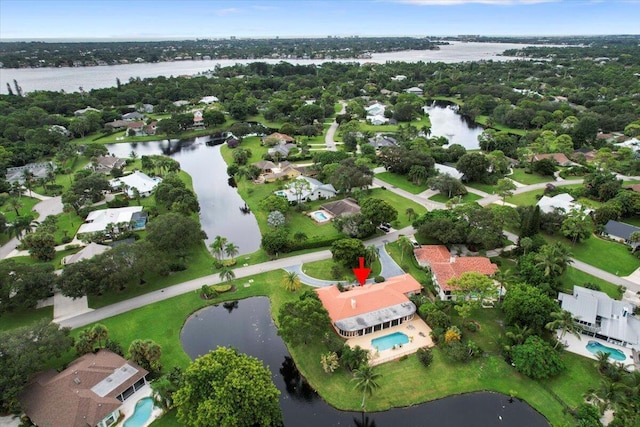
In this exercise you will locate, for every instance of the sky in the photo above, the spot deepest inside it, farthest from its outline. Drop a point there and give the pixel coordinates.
(189, 19)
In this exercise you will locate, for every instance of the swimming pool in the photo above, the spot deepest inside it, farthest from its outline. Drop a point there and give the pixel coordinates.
(321, 216)
(595, 347)
(141, 414)
(388, 341)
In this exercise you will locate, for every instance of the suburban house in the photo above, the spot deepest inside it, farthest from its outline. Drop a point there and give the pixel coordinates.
(116, 125)
(134, 116)
(198, 120)
(381, 141)
(280, 138)
(560, 158)
(37, 171)
(445, 267)
(375, 109)
(602, 316)
(369, 308)
(399, 78)
(315, 190)
(180, 103)
(281, 150)
(266, 166)
(136, 180)
(448, 170)
(342, 208)
(287, 171)
(414, 90)
(106, 164)
(130, 217)
(88, 252)
(208, 100)
(377, 120)
(562, 201)
(83, 111)
(135, 128)
(621, 232)
(89, 393)
(588, 153)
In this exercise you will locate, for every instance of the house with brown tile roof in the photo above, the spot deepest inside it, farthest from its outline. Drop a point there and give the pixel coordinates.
(445, 267)
(560, 158)
(88, 393)
(369, 308)
(105, 164)
(280, 137)
(341, 208)
(633, 187)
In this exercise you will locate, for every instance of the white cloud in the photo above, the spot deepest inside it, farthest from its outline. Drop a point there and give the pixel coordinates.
(228, 11)
(459, 2)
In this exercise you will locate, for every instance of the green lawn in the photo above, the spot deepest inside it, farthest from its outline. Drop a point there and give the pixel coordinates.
(525, 199)
(408, 263)
(482, 120)
(487, 188)
(322, 270)
(572, 276)
(16, 319)
(27, 203)
(609, 256)
(400, 203)
(469, 197)
(401, 182)
(529, 178)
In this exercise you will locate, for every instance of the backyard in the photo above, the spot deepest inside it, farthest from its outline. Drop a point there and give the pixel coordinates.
(401, 181)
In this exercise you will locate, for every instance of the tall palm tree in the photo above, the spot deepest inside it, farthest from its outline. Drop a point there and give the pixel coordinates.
(231, 249)
(226, 274)
(411, 214)
(28, 179)
(162, 392)
(553, 259)
(217, 247)
(405, 246)
(563, 320)
(366, 382)
(519, 334)
(99, 333)
(608, 395)
(371, 254)
(603, 361)
(16, 205)
(291, 281)
(504, 277)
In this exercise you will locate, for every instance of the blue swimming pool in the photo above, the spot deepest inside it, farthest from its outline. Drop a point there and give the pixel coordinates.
(595, 347)
(388, 341)
(320, 216)
(141, 414)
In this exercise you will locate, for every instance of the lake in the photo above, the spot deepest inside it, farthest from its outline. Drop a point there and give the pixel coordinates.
(458, 129)
(220, 203)
(70, 79)
(247, 326)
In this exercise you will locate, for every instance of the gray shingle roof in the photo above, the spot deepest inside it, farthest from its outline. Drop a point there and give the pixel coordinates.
(620, 229)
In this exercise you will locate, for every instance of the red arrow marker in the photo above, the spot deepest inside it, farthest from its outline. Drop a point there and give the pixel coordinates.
(361, 273)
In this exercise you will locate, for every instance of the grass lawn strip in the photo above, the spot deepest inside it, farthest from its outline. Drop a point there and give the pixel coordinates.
(469, 197)
(572, 276)
(401, 182)
(528, 178)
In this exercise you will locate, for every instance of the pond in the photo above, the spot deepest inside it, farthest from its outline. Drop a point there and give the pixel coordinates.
(221, 207)
(458, 129)
(247, 326)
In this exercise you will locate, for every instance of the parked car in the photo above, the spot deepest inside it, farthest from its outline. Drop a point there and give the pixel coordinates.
(415, 243)
(383, 228)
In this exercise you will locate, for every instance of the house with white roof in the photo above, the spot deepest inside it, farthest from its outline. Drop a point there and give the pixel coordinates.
(127, 217)
(137, 180)
(414, 90)
(88, 252)
(562, 201)
(602, 316)
(208, 100)
(377, 120)
(375, 109)
(399, 77)
(449, 170)
(315, 190)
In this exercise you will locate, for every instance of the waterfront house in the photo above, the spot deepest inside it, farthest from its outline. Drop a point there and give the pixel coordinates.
(105, 164)
(130, 217)
(602, 316)
(89, 393)
(136, 180)
(414, 90)
(369, 308)
(134, 116)
(315, 190)
(445, 267)
(286, 172)
(116, 125)
(279, 138)
(281, 150)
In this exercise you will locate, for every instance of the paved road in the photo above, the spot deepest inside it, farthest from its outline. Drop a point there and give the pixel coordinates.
(418, 198)
(331, 132)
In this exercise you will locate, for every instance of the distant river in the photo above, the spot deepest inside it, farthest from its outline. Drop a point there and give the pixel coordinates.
(70, 79)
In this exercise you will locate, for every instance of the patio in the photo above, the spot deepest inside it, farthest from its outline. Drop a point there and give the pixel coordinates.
(579, 346)
(417, 331)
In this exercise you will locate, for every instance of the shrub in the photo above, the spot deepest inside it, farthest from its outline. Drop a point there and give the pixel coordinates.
(593, 286)
(221, 288)
(329, 362)
(336, 271)
(118, 203)
(378, 279)
(177, 266)
(452, 334)
(403, 357)
(208, 292)
(471, 326)
(333, 342)
(425, 356)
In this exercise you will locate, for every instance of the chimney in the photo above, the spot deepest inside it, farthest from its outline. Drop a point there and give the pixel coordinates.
(353, 303)
(452, 259)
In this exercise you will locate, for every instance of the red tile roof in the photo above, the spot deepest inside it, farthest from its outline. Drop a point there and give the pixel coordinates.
(281, 137)
(367, 298)
(428, 254)
(558, 157)
(445, 267)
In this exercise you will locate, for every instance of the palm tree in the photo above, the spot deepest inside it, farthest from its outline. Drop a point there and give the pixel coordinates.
(553, 259)
(99, 333)
(231, 249)
(608, 395)
(162, 392)
(519, 334)
(16, 205)
(411, 214)
(405, 246)
(226, 274)
(291, 281)
(563, 319)
(603, 361)
(371, 254)
(28, 179)
(217, 247)
(366, 382)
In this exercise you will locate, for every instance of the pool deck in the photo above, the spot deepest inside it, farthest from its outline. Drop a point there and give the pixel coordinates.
(129, 406)
(579, 346)
(412, 329)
